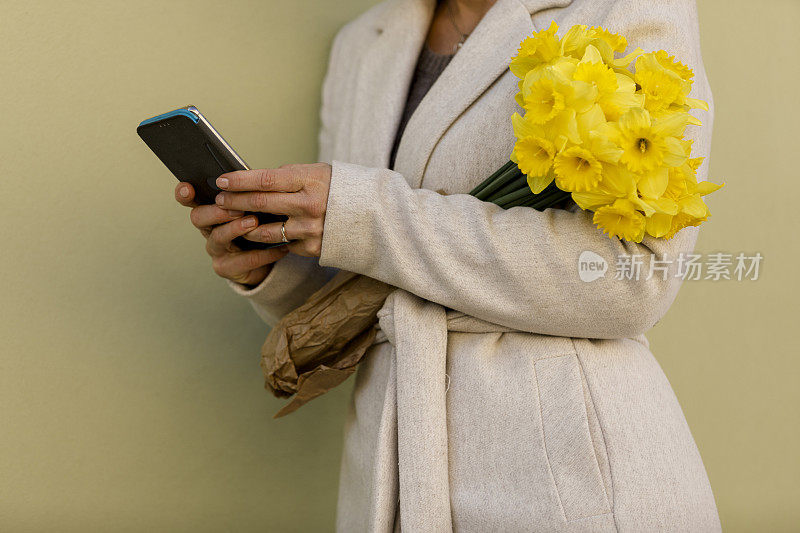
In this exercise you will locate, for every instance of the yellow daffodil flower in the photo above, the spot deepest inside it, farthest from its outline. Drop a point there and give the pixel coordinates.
(652, 183)
(592, 70)
(611, 136)
(560, 130)
(544, 90)
(618, 182)
(543, 98)
(615, 41)
(533, 152)
(576, 40)
(579, 37)
(661, 88)
(621, 219)
(647, 144)
(580, 168)
(534, 157)
(669, 62)
(624, 98)
(537, 51)
(658, 224)
(682, 220)
(577, 169)
(684, 193)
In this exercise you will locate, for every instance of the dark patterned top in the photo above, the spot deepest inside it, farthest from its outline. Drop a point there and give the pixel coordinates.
(429, 66)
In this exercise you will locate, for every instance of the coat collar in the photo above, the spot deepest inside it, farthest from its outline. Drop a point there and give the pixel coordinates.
(387, 68)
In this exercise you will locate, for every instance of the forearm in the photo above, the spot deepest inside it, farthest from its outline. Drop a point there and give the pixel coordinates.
(516, 267)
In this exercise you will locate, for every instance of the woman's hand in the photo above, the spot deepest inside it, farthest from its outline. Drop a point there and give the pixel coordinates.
(220, 227)
(299, 191)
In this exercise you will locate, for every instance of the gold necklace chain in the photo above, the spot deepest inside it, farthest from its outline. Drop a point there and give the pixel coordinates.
(463, 35)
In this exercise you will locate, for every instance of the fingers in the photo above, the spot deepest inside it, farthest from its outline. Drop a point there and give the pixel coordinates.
(279, 203)
(207, 216)
(254, 277)
(284, 179)
(305, 235)
(241, 266)
(299, 191)
(296, 229)
(305, 247)
(219, 240)
(184, 194)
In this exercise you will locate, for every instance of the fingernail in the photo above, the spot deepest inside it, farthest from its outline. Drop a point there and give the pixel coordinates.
(220, 199)
(233, 213)
(222, 183)
(249, 222)
(184, 192)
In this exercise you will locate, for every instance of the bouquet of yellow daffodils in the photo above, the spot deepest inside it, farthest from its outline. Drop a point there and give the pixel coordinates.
(610, 138)
(593, 131)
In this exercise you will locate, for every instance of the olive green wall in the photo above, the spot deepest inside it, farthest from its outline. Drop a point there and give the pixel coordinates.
(130, 393)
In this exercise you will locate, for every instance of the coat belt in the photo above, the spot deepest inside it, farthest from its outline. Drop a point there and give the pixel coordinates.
(417, 329)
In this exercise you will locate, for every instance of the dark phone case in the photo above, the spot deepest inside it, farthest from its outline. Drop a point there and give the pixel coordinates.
(196, 157)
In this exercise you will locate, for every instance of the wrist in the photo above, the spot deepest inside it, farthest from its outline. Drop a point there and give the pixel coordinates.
(254, 279)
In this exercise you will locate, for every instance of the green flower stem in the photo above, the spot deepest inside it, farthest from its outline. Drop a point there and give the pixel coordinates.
(508, 187)
(488, 181)
(502, 180)
(550, 200)
(510, 197)
(521, 182)
(499, 184)
(544, 200)
(531, 201)
(520, 201)
(543, 197)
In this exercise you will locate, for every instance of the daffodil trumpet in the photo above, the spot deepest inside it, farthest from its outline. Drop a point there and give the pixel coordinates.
(608, 137)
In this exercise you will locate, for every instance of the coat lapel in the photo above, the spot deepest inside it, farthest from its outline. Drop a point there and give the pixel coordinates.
(383, 79)
(483, 58)
(385, 73)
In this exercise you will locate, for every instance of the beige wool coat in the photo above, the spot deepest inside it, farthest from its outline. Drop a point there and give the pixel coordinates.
(502, 392)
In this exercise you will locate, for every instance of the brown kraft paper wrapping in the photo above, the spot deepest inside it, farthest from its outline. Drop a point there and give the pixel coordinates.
(318, 345)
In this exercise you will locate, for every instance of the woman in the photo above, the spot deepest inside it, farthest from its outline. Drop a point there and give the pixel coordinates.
(503, 393)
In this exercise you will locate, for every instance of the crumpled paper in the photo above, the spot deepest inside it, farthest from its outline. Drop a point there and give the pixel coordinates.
(318, 345)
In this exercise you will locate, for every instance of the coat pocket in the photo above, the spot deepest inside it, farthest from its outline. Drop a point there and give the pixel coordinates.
(568, 441)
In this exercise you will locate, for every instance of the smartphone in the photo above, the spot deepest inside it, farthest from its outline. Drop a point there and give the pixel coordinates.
(189, 146)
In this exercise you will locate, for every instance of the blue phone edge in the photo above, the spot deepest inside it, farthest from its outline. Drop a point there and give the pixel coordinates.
(170, 114)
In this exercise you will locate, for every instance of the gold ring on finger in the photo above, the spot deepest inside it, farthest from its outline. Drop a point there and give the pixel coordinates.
(283, 232)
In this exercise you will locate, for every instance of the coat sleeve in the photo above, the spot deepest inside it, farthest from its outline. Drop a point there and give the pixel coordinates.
(294, 278)
(519, 267)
